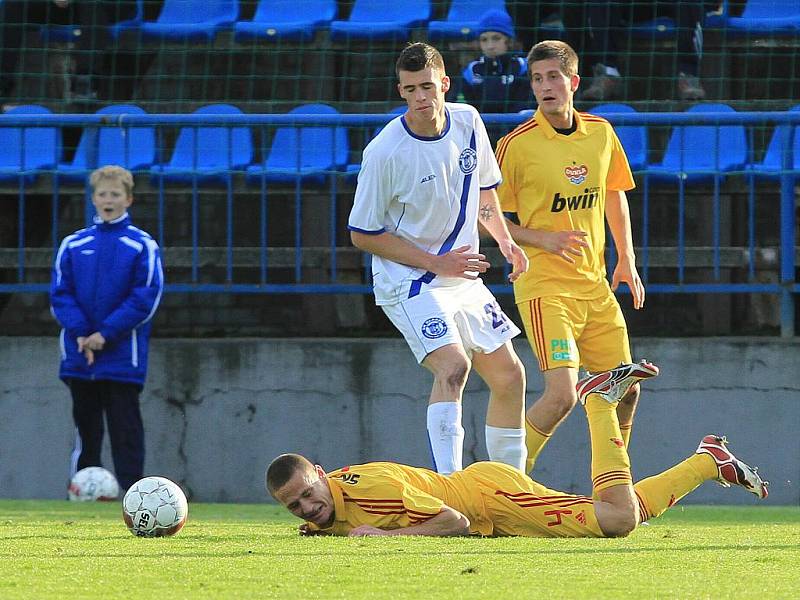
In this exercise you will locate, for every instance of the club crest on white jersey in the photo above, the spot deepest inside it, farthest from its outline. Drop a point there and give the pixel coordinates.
(468, 161)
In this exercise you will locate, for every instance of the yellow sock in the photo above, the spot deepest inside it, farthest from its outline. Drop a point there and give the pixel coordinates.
(625, 430)
(610, 462)
(656, 494)
(535, 439)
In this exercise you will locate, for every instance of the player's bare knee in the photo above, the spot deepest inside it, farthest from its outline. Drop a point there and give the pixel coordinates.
(621, 524)
(509, 380)
(561, 402)
(627, 525)
(455, 375)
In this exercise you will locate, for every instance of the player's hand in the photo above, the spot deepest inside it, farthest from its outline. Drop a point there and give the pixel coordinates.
(626, 272)
(85, 350)
(566, 244)
(365, 530)
(515, 256)
(461, 263)
(96, 341)
(305, 530)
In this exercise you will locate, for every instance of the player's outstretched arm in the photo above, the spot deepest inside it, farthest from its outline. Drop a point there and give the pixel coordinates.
(491, 219)
(619, 222)
(449, 522)
(459, 262)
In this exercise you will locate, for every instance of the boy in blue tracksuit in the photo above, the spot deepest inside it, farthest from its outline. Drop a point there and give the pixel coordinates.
(106, 287)
(497, 81)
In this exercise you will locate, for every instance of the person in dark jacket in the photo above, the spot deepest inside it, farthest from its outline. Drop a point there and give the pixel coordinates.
(497, 82)
(90, 19)
(106, 286)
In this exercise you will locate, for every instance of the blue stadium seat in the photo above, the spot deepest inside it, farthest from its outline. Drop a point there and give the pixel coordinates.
(658, 29)
(767, 16)
(695, 152)
(382, 20)
(718, 17)
(288, 20)
(633, 137)
(59, 33)
(70, 33)
(661, 28)
(116, 29)
(26, 150)
(207, 153)
(307, 153)
(772, 164)
(131, 147)
(190, 20)
(462, 19)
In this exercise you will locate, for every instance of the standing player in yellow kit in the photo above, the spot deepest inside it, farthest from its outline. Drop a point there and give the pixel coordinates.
(564, 175)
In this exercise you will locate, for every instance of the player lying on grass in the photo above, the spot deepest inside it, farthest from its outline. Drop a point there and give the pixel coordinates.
(489, 498)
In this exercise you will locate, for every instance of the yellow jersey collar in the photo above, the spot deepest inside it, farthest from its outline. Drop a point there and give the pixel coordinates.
(550, 133)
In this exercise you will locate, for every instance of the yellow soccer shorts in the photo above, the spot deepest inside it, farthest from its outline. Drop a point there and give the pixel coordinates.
(570, 332)
(514, 504)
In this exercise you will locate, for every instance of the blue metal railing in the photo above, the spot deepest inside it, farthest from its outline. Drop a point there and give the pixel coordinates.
(332, 248)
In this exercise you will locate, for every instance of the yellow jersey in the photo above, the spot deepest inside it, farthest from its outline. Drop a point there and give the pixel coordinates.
(496, 498)
(558, 182)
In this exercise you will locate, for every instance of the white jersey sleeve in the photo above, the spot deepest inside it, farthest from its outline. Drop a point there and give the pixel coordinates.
(373, 193)
(488, 170)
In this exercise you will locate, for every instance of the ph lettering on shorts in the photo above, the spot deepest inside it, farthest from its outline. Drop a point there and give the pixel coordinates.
(560, 349)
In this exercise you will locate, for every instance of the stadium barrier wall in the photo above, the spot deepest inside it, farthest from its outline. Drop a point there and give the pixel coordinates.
(217, 411)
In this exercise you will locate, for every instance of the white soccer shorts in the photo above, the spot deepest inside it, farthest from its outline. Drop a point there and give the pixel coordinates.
(465, 314)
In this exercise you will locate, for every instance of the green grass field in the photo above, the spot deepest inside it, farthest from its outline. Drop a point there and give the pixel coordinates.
(57, 549)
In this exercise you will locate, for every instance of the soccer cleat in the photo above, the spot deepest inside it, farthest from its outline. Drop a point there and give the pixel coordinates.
(731, 469)
(613, 384)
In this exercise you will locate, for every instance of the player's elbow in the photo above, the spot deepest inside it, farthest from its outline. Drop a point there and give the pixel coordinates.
(461, 525)
(458, 523)
(358, 240)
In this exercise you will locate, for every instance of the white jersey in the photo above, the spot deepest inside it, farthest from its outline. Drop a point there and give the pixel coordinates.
(424, 190)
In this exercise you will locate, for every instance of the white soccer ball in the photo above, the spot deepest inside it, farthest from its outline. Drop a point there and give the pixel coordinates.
(93, 483)
(154, 507)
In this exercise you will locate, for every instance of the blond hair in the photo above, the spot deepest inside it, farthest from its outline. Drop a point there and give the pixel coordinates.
(555, 49)
(113, 173)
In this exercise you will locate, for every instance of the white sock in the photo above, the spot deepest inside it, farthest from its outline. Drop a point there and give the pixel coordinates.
(446, 436)
(507, 445)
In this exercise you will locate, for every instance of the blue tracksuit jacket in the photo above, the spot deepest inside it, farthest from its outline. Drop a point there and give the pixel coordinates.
(107, 278)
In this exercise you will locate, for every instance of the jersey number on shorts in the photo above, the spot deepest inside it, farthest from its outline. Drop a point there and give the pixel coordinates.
(498, 316)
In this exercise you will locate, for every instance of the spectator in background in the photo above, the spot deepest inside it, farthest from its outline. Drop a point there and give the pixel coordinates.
(496, 82)
(91, 17)
(106, 287)
(609, 23)
(600, 30)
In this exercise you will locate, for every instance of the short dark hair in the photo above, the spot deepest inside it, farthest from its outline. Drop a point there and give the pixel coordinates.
(418, 56)
(283, 468)
(555, 49)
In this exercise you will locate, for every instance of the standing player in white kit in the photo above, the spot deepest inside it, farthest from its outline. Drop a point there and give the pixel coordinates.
(426, 181)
